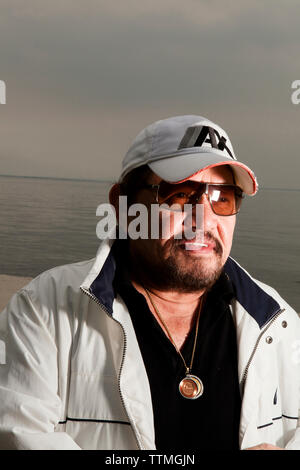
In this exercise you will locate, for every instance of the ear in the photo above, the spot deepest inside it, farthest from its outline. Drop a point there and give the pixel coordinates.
(114, 194)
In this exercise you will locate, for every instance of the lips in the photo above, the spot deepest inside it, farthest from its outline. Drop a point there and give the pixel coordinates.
(197, 246)
(208, 245)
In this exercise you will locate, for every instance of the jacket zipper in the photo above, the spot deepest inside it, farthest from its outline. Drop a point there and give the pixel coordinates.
(243, 381)
(94, 298)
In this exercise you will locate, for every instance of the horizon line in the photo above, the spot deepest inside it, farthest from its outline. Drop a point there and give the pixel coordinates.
(112, 181)
(61, 178)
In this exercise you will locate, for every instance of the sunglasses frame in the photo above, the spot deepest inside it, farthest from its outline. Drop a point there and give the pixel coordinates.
(207, 185)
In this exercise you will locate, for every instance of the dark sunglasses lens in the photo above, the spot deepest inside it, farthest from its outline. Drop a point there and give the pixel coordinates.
(225, 200)
(182, 193)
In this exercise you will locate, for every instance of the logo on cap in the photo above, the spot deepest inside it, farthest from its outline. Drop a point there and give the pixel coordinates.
(196, 136)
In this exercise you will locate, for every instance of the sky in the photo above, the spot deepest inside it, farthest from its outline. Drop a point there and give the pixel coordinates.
(84, 77)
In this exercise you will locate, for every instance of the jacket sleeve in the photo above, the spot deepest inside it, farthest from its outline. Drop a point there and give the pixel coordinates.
(294, 365)
(30, 405)
(294, 443)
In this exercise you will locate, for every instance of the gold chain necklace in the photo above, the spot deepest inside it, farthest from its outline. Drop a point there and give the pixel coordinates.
(190, 387)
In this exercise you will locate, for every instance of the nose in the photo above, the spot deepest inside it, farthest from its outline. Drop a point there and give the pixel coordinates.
(210, 219)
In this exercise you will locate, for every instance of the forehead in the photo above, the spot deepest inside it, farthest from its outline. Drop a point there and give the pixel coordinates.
(218, 174)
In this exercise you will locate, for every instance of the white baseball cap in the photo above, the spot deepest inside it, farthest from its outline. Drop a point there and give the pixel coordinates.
(181, 147)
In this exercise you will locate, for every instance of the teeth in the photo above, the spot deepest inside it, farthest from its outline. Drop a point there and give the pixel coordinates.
(196, 243)
(189, 246)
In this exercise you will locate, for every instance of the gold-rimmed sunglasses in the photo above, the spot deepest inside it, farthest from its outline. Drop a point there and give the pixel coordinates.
(225, 199)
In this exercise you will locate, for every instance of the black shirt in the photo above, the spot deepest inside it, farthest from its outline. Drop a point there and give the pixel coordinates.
(210, 422)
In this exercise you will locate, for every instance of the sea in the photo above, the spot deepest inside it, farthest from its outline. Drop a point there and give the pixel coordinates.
(46, 222)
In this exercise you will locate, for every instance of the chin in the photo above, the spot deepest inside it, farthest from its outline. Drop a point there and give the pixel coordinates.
(194, 279)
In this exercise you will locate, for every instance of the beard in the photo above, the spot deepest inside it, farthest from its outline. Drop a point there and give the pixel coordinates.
(176, 269)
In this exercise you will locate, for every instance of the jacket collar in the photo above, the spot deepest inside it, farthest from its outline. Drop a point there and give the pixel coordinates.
(102, 286)
(253, 298)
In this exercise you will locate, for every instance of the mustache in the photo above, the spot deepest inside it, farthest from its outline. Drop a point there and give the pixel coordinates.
(208, 237)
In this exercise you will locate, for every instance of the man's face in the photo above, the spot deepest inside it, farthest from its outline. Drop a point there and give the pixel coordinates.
(179, 263)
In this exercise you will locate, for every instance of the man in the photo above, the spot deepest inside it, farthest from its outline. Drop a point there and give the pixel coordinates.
(162, 342)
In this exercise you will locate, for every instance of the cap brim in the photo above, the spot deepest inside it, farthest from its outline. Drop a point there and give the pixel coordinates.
(176, 169)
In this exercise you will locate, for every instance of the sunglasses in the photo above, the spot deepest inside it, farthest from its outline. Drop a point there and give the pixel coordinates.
(224, 199)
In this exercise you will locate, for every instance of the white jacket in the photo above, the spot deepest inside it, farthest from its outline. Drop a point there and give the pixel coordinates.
(72, 375)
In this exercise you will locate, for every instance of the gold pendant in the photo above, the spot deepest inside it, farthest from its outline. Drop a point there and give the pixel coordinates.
(191, 387)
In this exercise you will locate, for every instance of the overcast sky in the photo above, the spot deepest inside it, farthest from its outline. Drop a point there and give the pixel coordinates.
(83, 77)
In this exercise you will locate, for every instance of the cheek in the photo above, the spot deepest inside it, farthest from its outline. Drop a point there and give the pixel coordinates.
(170, 224)
(163, 226)
(226, 231)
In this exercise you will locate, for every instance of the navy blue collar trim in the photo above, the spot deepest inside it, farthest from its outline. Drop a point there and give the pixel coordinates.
(260, 305)
(102, 287)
